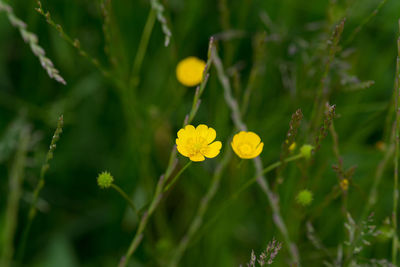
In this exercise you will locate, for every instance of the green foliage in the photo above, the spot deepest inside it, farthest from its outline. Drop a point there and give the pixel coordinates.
(305, 72)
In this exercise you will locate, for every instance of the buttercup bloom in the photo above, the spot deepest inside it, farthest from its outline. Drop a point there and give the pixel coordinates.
(189, 71)
(247, 145)
(197, 143)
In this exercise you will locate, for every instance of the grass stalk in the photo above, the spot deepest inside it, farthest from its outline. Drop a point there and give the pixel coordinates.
(237, 120)
(321, 95)
(364, 22)
(14, 195)
(33, 42)
(395, 240)
(143, 44)
(40, 185)
(73, 42)
(246, 185)
(170, 168)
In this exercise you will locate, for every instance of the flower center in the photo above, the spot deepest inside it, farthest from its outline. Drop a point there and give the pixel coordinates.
(245, 149)
(195, 145)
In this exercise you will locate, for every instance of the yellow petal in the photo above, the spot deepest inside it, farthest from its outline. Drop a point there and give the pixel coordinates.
(258, 150)
(186, 132)
(253, 139)
(234, 147)
(197, 157)
(238, 138)
(206, 132)
(212, 150)
(182, 149)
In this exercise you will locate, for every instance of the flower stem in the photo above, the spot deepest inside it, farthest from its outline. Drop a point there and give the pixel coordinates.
(145, 217)
(126, 197)
(268, 169)
(265, 171)
(175, 179)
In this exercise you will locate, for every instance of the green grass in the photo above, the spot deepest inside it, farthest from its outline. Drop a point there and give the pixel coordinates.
(122, 107)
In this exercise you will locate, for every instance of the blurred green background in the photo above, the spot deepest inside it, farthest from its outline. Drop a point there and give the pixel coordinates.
(131, 134)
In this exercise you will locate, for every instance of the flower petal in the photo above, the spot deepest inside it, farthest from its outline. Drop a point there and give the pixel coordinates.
(206, 132)
(183, 150)
(212, 150)
(186, 132)
(197, 157)
(238, 138)
(234, 147)
(253, 139)
(258, 150)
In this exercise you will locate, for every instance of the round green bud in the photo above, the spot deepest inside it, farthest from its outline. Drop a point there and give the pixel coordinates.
(305, 197)
(306, 150)
(104, 180)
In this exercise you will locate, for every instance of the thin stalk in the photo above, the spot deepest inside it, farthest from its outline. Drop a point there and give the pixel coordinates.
(170, 168)
(237, 120)
(73, 42)
(396, 160)
(14, 195)
(321, 96)
(158, 195)
(203, 207)
(267, 170)
(364, 22)
(175, 179)
(234, 196)
(126, 197)
(40, 185)
(143, 44)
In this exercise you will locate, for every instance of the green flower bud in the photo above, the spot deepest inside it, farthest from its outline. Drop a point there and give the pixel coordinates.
(306, 150)
(104, 180)
(305, 197)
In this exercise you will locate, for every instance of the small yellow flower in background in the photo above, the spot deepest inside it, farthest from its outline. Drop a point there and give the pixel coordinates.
(189, 71)
(306, 150)
(247, 145)
(292, 146)
(197, 143)
(344, 184)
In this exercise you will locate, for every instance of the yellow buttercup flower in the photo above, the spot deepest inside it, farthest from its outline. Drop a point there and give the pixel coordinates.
(189, 71)
(197, 143)
(247, 145)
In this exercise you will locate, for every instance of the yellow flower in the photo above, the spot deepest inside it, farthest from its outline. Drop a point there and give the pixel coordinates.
(247, 145)
(189, 71)
(344, 184)
(292, 146)
(197, 143)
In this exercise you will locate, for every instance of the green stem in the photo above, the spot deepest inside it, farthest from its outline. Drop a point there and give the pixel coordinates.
(126, 197)
(265, 171)
(247, 185)
(14, 195)
(145, 217)
(40, 185)
(175, 179)
(143, 44)
(395, 240)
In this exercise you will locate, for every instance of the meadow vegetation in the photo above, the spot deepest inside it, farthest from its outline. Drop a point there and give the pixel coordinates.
(199, 133)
